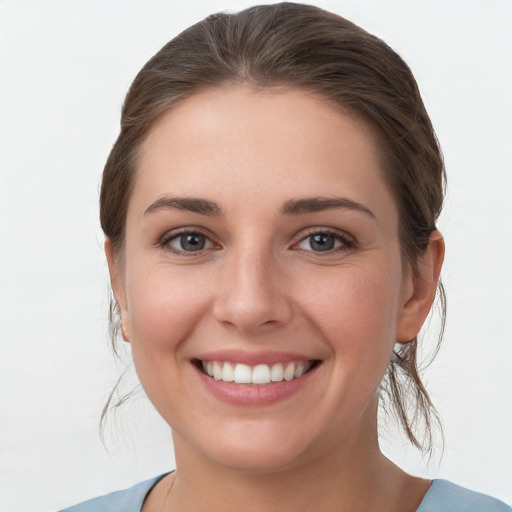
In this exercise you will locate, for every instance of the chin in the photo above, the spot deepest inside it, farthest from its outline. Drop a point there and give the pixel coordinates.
(255, 459)
(250, 448)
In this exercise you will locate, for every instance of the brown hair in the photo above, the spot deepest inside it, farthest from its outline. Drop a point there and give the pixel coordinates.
(301, 46)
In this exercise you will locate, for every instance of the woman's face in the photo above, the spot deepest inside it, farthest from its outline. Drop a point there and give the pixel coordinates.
(262, 243)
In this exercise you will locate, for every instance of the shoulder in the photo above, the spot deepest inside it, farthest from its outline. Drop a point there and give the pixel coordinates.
(444, 496)
(127, 500)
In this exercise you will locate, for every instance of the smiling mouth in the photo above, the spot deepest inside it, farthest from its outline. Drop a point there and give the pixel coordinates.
(239, 373)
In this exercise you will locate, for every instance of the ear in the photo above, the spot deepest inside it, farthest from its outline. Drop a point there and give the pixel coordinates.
(117, 282)
(420, 289)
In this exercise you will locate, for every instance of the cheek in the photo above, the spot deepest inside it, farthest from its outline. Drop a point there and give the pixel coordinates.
(163, 308)
(356, 309)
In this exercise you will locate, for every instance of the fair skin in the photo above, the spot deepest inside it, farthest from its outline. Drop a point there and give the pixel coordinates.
(260, 232)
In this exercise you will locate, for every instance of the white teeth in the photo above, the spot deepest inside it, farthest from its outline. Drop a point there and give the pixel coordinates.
(276, 374)
(259, 374)
(227, 373)
(300, 370)
(243, 374)
(289, 372)
(217, 370)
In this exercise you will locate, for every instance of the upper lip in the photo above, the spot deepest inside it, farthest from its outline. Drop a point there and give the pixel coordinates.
(252, 358)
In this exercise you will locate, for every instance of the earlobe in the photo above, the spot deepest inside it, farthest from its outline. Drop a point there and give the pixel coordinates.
(118, 287)
(421, 290)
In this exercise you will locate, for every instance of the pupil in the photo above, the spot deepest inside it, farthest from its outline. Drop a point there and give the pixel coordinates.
(192, 242)
(321, 242)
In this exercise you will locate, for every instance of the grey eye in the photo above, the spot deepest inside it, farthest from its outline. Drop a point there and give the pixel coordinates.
(320, 242)
(189, 242)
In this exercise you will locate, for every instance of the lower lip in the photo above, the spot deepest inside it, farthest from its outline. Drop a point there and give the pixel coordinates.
(254, 394)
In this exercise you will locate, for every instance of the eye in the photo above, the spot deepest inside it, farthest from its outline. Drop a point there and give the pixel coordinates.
(187, 242)
(324, 241)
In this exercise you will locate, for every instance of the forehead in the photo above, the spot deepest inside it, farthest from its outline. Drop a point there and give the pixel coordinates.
(267, 143)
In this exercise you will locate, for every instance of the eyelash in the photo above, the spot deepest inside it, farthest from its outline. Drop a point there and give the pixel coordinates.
(169, 237)
(347, 242)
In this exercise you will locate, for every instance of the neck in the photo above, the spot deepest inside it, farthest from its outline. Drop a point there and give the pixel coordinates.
(353, 475)
(307, 487)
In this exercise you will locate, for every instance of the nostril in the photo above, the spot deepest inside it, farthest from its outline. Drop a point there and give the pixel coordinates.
(248, 314)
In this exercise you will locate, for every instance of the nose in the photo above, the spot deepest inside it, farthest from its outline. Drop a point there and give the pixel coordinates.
(251, 295)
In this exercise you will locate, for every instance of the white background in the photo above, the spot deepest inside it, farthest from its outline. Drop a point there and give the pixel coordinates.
(64, 69)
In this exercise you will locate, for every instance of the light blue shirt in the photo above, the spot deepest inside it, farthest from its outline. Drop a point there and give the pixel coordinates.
(443, 496)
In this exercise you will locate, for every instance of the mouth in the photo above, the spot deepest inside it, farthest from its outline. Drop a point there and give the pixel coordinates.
(260, 374)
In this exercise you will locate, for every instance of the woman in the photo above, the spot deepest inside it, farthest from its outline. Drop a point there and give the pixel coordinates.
(270, 216)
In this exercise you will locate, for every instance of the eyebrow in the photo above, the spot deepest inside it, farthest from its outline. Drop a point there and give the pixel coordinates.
(318, 204)
(291, 207)
(191, 204)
